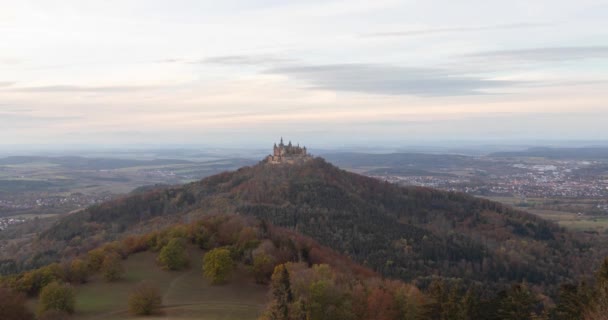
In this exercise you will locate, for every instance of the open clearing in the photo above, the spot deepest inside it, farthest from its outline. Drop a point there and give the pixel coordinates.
(186, 294)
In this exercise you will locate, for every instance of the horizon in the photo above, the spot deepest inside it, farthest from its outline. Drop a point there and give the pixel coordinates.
(239, 73)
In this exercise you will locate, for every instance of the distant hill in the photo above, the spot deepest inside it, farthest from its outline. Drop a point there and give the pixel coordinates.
(88, 163)
(590, 153)
(402, 160)
(410, 233)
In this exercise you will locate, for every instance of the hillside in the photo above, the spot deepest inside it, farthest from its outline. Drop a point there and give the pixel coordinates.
(404, 232)
(186, 294)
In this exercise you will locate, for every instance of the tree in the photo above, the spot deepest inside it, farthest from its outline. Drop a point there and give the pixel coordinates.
(518, 304)
(598, 308)
(79, 271)
(173, 255)
(218, 265)
(145, 299)
(56, 297)
(95, 259)
(112, 268)
(263, 265)
(573, 299)
(281, 292)
(12, 306)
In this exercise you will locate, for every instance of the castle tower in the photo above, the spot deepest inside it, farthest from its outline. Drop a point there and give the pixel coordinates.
(289, 154)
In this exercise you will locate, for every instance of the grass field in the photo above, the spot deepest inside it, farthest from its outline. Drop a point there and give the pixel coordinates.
(566, 214)
(573, 221)
(186, 294)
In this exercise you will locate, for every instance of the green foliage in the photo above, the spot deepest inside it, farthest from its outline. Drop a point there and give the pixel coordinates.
(95, 259)
(56, 297)
(111, 268)
(281, 292)
(263, 265)
(173, 255)
(145, 299)
(218, 265)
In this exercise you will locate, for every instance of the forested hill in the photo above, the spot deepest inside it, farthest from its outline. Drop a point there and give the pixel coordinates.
(410, 233)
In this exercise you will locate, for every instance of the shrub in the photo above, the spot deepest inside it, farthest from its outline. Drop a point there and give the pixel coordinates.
(145, 299)
(218, 265)
(173, 255)
(79, 271)
(263, 265)
(56, 297)
(112, 268)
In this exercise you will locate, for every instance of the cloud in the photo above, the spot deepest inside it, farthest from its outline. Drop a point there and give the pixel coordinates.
(6, 83)
(15, 119)
(261, 59)
(391, 80)
(545, 54)
(424, 32)
(72, 88)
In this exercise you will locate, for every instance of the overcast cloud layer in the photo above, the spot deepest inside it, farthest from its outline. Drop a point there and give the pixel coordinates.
(320, 72)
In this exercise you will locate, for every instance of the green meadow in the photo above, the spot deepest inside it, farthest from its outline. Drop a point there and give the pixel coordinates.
(186, 294)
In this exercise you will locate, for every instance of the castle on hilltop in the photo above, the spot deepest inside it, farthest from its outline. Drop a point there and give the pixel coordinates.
(288, 153)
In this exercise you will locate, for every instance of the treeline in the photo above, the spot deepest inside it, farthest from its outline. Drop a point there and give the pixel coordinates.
(306, 280)
(227, 240)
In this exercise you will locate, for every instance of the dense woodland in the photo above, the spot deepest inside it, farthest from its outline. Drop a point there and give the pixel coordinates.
(450, 245)
(305, 280)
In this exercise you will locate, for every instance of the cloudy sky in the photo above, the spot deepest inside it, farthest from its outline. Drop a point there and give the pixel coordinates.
(114, 72)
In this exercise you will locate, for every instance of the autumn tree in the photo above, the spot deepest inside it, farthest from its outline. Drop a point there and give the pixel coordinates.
(573, 300)
(263, 265)
(381, 305)
(95, 259)
(145, 299)
(79, 271)
(56, 297)
(173, 255)
(12, 306)
(112, 268)
(281, 292)
(598, 308)
(518, 304)
(218, 265)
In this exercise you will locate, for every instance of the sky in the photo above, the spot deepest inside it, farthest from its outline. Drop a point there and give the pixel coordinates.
(239, 73)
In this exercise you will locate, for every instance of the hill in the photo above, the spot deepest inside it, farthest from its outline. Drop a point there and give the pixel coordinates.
(409, 233)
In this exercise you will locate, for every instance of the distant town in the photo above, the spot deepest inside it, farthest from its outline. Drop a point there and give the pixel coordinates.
(568, 179)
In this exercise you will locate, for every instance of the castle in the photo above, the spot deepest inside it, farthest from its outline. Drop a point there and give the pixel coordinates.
(288, 154)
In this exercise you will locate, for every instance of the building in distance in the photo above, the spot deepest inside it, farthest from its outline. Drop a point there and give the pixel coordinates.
(288, 153)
